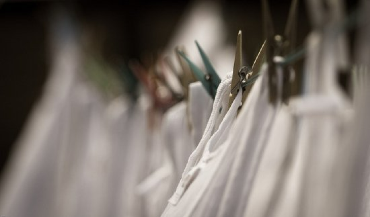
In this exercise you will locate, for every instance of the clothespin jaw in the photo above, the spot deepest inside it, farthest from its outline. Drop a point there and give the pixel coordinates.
(257, 64)
(279, 45)
(205, 79)
(169, 63)
(187, 76)
(243, 76)
(270, 52)
(166, 66)
(235, 81)
(149, 81)
(159, 73)
(210, 70)
(287, 46)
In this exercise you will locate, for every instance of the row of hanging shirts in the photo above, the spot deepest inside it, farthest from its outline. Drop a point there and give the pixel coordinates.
(237, 146)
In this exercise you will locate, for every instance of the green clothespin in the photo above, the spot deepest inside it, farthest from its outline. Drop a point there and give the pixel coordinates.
(205, 79)
(215, 79)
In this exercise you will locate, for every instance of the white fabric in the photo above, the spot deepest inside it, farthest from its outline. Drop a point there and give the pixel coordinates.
(270, 179)
(210, 201)
(301, 173)
(153, 188)
(83, 151)
(200, 107)
(183, 126)
(29, 182)
(177, 137)
(255, 122)
(218, 112)
(117, 114)
(194, 182)
(135, 165)
(323, 132)
(179, 141)
(286, 166)
(360, 196)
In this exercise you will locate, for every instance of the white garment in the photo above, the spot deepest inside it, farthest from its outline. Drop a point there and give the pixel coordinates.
(324, 119)
(200, 107)
(155, 186)
(209, 203)
(359, 197)
(177, 137)
(83, 156)
(253, 124)
(359, 141)
(301, 173)
(135, 164)
(117, 113)
(178, 141)
(195, 182)
(219, 110)
(29, 182)
(276, 160)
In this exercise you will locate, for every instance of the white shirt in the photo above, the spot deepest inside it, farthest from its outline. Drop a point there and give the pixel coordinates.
(29, 182)
(200, 107)
(179, 141)
(195, 182)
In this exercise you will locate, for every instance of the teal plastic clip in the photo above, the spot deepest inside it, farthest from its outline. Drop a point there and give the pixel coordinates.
(205, 79)
(210, 70)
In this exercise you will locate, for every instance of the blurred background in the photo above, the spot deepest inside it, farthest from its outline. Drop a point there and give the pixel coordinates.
(120, 31)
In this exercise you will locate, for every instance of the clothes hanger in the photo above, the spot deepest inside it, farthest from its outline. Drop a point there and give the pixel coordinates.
(279, 45)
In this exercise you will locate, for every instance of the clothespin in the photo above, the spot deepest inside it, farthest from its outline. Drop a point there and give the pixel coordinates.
(279, 45)
(187, 76)
(243, 76)
(169, 63)
(257, 64)
(210, 81)
(158, 72)
(150, 85)
(211, 72)
(235, 80)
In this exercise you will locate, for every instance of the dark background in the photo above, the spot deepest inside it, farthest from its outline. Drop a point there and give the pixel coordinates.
(129, 28)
